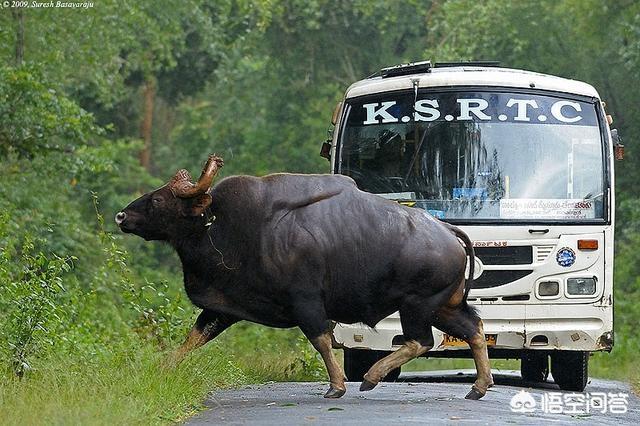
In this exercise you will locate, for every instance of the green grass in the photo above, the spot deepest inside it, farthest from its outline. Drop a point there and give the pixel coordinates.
(270, 354)
(128, 384)
(621, 364)
(124, 387)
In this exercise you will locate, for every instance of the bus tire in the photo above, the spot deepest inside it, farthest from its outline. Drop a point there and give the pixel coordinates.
(570, 369)
(534, 366)
(358, 361)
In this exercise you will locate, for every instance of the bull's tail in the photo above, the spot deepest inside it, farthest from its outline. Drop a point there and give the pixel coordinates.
(468, 247)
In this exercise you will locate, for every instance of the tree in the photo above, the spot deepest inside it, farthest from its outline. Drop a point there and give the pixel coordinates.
(110, 58)
(278, 85)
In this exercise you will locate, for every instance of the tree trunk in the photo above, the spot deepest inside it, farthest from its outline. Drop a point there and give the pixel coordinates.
(18, 16)
(149, 93)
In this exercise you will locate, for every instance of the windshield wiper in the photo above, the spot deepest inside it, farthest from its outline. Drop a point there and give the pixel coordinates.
(590, 196)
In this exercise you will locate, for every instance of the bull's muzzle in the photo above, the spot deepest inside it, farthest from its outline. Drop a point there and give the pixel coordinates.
(120, 217)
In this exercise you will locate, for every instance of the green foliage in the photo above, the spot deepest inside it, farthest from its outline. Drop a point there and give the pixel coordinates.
(124, 385)
(308, 362)
(157, 315)
(31, 304)
(35, 118)
(49, 224)
(272, 354)
(269, 107)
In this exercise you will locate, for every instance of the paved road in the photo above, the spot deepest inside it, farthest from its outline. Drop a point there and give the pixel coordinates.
(427, 398)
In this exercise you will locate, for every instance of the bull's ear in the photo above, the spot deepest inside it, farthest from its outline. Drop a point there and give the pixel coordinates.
(199, 204)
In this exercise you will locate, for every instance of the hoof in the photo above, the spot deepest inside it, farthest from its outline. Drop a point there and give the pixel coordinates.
(334, 392)
(474, 393)
(367, 385)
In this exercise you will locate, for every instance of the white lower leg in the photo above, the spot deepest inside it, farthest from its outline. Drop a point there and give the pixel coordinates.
(323, 345)
(405, 353)
(480, 354)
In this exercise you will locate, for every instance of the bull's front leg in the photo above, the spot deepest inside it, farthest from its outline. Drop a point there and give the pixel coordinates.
(207, 327)
(312, 320)
(322, 344)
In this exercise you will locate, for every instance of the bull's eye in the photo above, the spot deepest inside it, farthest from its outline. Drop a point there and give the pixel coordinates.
(157, 201)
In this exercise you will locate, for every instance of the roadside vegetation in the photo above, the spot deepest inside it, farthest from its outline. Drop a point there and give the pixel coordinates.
(98, 106)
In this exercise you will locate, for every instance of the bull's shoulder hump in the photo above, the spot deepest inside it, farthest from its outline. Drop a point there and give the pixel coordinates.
(236, 181)
(236, 189)
(237, 178)
(288, 191)
(319, 177)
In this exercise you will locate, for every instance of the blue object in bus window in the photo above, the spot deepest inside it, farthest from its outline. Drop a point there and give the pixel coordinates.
(436, 213)
(460, 193)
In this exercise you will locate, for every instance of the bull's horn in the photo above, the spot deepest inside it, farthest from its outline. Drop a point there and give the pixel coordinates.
(181, 184)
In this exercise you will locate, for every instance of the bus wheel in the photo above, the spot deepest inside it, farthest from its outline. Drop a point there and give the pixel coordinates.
(358, 361)
(570, 369)
(534, 366)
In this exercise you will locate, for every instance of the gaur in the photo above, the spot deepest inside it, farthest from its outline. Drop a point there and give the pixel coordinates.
(294, 250)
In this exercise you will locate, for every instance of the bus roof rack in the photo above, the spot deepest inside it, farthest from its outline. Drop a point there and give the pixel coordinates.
(426, 66)
(467, 63)
(405, 69)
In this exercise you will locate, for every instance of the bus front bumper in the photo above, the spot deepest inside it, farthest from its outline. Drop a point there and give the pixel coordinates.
(576, 327)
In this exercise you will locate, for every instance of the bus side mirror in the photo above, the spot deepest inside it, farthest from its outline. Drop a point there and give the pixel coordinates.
(325, 150)
(618, 147)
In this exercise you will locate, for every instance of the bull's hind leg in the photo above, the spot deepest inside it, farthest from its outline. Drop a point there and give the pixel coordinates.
(462, 322)
(418, 340)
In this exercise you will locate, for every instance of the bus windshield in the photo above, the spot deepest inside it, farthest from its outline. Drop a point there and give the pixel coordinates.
(478, 155)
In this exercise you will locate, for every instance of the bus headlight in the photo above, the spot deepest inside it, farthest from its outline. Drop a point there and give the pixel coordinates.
(581, 286)
(548, 288)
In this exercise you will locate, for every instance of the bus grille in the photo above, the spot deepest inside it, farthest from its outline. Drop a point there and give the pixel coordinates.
(490, 279)
(543, 252)
(511, 255)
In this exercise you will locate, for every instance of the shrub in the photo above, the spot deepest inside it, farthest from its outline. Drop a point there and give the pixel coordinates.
(31, 301)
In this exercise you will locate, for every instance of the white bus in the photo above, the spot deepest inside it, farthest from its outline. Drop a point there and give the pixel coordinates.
(523, 163)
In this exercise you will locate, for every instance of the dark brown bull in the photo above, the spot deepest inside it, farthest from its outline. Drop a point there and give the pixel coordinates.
(291, 250)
